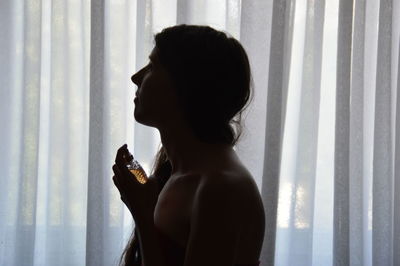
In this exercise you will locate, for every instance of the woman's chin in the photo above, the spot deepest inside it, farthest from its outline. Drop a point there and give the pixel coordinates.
(138, 116)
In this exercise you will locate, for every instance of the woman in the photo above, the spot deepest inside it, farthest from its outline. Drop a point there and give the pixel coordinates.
(200, 205)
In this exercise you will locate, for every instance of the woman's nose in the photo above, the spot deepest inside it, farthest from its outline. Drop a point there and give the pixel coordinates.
(135, 78)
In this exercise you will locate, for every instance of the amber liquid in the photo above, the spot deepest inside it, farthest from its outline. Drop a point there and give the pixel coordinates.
(140, 175)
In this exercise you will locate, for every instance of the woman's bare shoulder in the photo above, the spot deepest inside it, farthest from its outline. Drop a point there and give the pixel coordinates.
(237, 181)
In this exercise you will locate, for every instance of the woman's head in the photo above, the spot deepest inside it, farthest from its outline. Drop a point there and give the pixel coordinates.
(209, 75)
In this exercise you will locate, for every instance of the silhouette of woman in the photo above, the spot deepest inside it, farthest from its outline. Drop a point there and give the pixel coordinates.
(200, 205)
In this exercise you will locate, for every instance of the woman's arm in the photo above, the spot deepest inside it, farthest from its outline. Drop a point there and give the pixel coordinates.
(215, 223)
(150, 248)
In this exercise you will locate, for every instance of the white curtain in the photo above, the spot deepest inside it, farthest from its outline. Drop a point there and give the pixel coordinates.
(320, 136)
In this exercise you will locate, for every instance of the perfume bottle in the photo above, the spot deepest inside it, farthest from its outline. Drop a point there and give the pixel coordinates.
(136, 169)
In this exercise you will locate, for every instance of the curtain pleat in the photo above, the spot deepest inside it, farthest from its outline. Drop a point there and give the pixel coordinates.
(356, 185)
(274, 123)
(370, 68)
(7, 35)
(11, 146)
(95, 198)
(42, 231)
(181, 11)
(7, 32)
(342, 135)
(302, 208)
(232, 17)
(321, 244)
(396, 198)
(255, 38)
(28, 147)
(382, 198)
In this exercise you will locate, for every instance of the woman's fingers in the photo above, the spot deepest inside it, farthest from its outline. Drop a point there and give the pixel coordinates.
(117, 176)
(121, 152)
(117, 181)
(120, 160)
(116, 170)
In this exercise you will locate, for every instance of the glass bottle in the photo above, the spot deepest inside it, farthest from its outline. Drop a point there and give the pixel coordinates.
(136, 169)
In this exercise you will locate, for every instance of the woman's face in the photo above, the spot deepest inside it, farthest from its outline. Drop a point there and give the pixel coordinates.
(156, 96)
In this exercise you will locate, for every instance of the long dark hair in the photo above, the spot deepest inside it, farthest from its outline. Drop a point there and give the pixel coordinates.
(212, 76)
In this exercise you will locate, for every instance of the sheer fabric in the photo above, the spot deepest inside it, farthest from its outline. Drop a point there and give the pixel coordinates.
(321, 136)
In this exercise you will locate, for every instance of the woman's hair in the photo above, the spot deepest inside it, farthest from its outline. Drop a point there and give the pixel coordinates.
(212, 77)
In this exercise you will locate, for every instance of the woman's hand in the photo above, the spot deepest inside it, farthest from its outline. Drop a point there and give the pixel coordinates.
(140, 198)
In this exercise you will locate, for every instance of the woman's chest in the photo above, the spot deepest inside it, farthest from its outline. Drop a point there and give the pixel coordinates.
(173, 209)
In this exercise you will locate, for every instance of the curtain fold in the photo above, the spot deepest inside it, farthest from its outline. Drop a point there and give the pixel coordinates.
(342, 136)
(28, 147)
(396, 198)
(96, 213)
(280, 33)
(382, 204)
(306, 150)
(356, 172)
(321, 137)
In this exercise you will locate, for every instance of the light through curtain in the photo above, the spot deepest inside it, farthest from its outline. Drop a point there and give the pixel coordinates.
(319, 136)
(331, 167)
